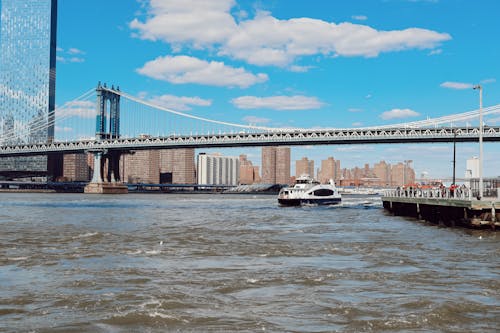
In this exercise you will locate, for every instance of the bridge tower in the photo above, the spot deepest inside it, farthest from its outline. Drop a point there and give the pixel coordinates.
(105, 96)
(106, 177)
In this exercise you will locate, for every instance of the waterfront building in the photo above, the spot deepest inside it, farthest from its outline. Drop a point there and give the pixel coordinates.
(402, 174)
(382, 171)
(76, 168)
(472, 168)
(275, 165)
(256, 174)
(142, 166)
(27, 79)
(215, 169)
(248, 173)
(177, 166)
(282, 165)
(304, 166)
(330, 169)
(269, 165)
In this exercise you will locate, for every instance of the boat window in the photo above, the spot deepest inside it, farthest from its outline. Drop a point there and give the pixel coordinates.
(323, 192)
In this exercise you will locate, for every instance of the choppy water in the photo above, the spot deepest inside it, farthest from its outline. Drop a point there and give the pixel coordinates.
(212, 263)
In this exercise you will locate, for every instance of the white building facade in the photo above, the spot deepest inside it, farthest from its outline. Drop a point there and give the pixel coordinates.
(217, 170)
(472, 168)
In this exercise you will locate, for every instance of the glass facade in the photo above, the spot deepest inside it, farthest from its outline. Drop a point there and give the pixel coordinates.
(27, 77)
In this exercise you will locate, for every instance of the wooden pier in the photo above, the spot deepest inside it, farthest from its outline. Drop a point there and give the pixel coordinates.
(444, 207)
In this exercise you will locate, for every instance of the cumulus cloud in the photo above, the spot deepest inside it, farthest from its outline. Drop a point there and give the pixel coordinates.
(179, 103)
(456, 85)
(265, 40)
(398, 114)
(201, 23)
(185, 69)
(277, 102)
(81, 109)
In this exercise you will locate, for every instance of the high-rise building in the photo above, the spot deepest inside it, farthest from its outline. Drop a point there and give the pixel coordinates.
(248, 174)
(143, 166)
(282, 165)
(269, 165)
(76, 167)
(472, 168)
(177, 166)
(217, 170)
(304, 166)
(27, 78)
(402, 174)
(382, 171)
(330, 169)
(276, 165)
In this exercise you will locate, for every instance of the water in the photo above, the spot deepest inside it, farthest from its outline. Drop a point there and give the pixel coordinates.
(212, 263)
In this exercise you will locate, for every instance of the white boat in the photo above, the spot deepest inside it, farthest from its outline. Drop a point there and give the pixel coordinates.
(307, 191)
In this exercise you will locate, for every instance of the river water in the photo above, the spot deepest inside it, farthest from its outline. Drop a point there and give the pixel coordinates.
(217, 263)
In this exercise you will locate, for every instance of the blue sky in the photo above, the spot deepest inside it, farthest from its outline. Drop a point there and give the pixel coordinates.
(278, 63)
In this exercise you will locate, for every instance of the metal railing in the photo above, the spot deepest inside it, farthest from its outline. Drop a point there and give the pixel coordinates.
(459, 193)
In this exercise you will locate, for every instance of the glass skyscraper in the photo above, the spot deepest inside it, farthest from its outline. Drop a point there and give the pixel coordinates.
(27, 78)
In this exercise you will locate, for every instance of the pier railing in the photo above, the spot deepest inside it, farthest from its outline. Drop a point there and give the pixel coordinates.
(459, 193)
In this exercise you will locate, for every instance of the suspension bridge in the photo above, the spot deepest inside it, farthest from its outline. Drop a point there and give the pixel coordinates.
(108, 121)
(128, 122)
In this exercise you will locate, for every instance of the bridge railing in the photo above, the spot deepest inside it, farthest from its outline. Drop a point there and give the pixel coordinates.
(459, 193)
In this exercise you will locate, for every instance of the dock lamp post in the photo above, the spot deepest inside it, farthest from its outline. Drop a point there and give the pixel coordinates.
(480, 171)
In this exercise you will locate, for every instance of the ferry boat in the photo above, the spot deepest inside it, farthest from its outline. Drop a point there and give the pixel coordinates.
(307, 191)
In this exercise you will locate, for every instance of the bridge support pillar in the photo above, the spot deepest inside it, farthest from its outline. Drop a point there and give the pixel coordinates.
(110, 185)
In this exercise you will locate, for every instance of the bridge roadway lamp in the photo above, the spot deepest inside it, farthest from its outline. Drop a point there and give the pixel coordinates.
(480, 171)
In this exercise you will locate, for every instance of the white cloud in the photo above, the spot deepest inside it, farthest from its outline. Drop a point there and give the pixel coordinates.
(486, 81)
(75, 51)
(277, 102)
(357, 124)
(456, 85)
(398, 114)
(256, 120)
(70, 56)
(435, 52)
(359, 17)
(185, 69)
(63, 129)
(300, 69)
(355, 110)
(200, 23)
(179, 103)
(265, 40)
(81, 109)
(76, 59)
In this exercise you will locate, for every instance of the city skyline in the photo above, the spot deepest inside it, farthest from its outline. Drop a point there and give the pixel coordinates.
(302, 68)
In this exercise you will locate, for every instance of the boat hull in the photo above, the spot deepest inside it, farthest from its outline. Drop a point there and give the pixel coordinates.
(300, 202)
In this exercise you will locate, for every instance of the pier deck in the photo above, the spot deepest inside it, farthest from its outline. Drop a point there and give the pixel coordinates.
(444, 207)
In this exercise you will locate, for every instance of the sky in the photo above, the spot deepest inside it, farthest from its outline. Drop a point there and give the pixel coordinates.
(301, 63)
